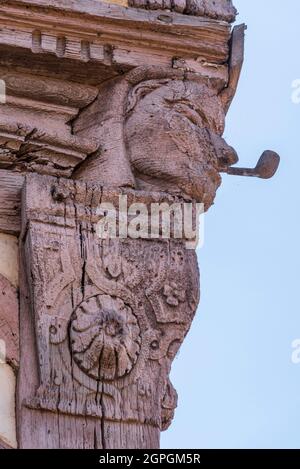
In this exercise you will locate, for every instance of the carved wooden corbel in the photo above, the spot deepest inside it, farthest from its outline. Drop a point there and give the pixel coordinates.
(107, 318)
(132, 106)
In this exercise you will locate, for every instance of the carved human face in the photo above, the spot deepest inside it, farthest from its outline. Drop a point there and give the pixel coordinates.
(173, 135)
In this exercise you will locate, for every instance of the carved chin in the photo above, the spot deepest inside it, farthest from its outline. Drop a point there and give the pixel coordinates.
(204, 188)
(200, 187)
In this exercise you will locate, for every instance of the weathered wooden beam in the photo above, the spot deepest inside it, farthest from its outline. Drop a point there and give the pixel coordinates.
(111, 34)
(236, 61)
(10, 202)
(221, 9)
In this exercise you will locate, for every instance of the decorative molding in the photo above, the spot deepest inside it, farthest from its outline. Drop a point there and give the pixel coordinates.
(57, 147)
(221, 9)
(111, 34)
(35, 134)
(71, 52)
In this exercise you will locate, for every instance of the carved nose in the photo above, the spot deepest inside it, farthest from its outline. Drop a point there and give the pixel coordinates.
(226, 155)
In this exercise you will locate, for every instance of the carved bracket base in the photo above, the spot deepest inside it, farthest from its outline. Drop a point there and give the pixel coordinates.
(101, 321)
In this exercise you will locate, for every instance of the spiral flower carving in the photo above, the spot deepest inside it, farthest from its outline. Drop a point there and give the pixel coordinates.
(105, 337)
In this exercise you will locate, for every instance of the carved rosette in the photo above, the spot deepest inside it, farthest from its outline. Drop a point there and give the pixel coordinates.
(105, 338)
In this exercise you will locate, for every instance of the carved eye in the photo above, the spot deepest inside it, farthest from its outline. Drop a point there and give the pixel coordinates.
(154, 345)
(195, 116)
(105, 338)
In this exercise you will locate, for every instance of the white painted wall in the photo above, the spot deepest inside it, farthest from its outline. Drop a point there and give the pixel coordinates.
(7, 405)
(9, 258)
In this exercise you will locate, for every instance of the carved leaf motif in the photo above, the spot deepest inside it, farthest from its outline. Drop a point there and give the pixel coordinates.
(111, 258)
(169, 404)
(61, 279)
(174, 294)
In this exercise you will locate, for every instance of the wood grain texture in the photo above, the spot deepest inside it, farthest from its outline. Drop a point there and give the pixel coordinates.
(218, 9)
(35, 133)
(185, 114)
(57, 148)
(112, 101)
(111, 34)
(236, 61)
(10, 202)
(44, 97)
(101, 322)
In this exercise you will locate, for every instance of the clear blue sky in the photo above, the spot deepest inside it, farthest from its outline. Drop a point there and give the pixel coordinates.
(236, 382)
